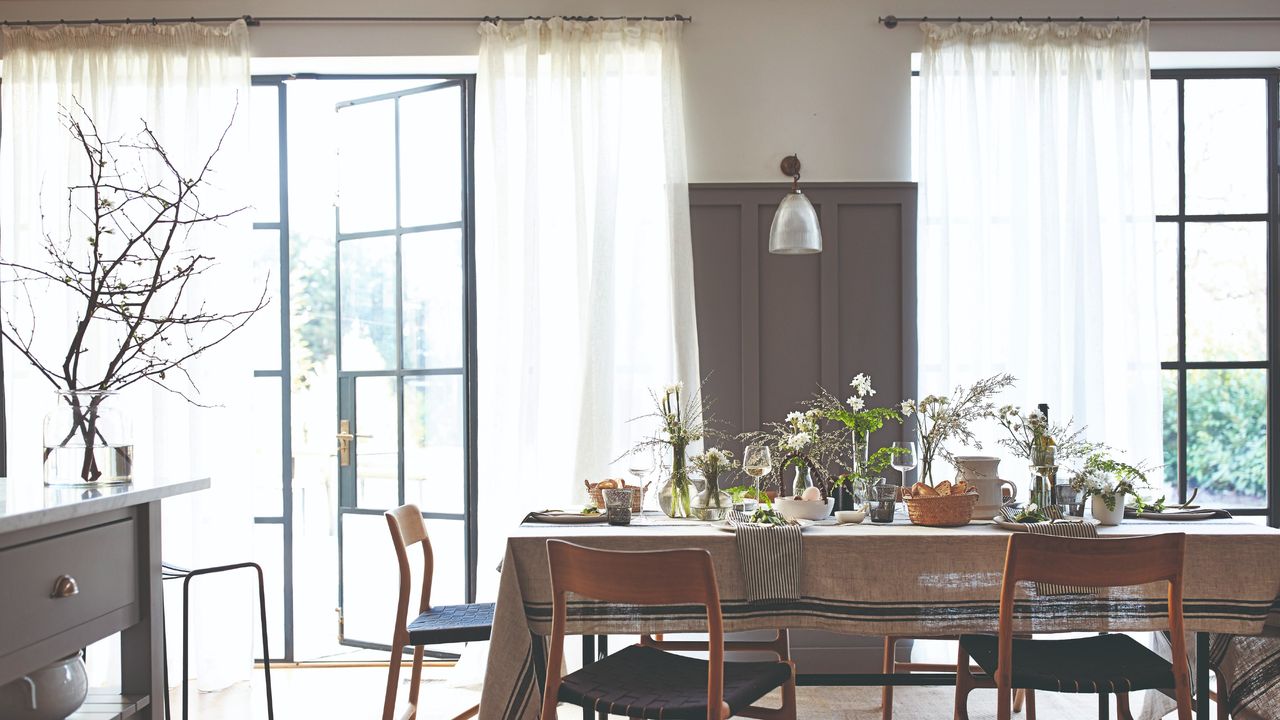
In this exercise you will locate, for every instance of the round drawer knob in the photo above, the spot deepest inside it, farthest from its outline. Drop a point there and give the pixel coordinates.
(65, 586)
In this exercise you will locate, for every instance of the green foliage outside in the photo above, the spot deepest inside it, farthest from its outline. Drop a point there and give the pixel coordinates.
(1226, 431)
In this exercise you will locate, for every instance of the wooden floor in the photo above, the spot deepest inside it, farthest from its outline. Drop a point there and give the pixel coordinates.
(321, 692)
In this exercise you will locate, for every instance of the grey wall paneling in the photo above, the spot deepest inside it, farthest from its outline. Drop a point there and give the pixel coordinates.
(771, 328)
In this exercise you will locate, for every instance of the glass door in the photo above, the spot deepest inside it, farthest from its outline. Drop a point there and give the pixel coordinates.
(405, 392)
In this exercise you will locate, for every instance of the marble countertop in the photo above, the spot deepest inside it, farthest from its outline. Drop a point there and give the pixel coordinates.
(26, 502)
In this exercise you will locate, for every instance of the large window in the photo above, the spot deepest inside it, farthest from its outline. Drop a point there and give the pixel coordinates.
(1216, 173)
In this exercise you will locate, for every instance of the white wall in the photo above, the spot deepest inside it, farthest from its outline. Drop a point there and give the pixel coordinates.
(764, 78)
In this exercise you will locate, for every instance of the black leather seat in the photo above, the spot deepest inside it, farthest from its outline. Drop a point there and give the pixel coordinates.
(645, 682)
(452, 624)
(1098, 664)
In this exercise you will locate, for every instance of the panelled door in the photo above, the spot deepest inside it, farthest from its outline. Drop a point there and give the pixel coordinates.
(402, 227)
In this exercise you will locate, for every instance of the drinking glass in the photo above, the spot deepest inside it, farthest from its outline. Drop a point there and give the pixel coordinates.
(640, 465)
(904, 460)
(617, 504)
(757, 462)
(884, 502)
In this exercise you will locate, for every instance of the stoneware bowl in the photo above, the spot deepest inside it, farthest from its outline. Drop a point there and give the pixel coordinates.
(792, 509)
(850, 517)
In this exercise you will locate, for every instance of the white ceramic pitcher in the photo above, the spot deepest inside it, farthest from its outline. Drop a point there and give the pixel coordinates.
(983, 473)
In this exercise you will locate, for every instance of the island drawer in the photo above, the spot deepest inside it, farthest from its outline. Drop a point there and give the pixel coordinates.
(102, 560)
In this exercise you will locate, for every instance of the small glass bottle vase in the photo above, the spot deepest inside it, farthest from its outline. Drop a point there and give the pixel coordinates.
(801, 481)
(88, 441)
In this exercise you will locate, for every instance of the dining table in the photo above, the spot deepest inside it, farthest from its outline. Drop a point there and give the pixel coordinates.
(878, 579)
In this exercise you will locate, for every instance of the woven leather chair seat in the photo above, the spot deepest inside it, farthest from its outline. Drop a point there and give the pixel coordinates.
(645, 682)
(1099, 664)
(452, 624)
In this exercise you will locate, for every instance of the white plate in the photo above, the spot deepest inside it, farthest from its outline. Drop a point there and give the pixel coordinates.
(1021, 527)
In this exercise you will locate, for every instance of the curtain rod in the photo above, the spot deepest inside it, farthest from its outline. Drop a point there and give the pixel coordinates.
(891, 21)
(255, 21)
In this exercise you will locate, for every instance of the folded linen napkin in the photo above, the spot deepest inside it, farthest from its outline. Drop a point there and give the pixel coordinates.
(1172, 513)
(771, 559)
(1064, 529)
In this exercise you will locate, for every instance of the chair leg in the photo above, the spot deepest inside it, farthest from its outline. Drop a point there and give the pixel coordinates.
(1004, 703)
(1224, 696)
(889, 665)
(393, 677)
(964, 685)
(1122, 707)
(415, 680)
(1031, 705)
(164, 657)
(1018, 696)
(266, 651)
(789, 695)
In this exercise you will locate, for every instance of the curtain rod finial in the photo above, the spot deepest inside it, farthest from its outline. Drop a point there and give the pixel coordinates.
(889, 21)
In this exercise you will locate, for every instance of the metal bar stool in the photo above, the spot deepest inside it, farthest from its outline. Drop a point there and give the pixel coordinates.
(174, 572)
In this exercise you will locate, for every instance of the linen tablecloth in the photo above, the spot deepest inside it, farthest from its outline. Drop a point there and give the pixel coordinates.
(897, 579)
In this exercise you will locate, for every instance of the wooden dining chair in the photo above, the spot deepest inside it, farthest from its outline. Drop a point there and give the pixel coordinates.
(642, 680)
(433, 625)
(1102, 664)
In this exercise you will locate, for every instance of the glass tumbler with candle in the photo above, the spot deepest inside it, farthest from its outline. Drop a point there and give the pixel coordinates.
(617, 505)
(884, 502)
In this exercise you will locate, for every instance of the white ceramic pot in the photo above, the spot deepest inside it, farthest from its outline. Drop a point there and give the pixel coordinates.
(50, 693)
(1105, 516)
(792, 509)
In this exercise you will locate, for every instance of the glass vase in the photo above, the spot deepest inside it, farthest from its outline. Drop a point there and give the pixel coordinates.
(852, 495)
(675, 492)
(712, 503)
(1042, 481)
(88, 441)
(801, 481)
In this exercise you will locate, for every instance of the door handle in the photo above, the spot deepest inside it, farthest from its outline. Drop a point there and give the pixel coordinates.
(345, 436)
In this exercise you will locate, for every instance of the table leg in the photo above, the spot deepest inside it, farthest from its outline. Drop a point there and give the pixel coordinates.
(142, 645)
(588, 657)
(1104, 706)
(1202, 676)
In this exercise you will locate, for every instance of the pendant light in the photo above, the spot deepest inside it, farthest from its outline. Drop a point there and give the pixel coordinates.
(795, 228)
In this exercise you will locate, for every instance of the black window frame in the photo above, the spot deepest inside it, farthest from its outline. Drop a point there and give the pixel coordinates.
(1181, 219)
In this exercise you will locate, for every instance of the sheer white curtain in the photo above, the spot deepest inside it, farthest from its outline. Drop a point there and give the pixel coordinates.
(584, 263)
(1036, 252)
(185, 81)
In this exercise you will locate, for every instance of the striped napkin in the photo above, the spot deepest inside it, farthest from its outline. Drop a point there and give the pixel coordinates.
(771, 559)
(1063, 529)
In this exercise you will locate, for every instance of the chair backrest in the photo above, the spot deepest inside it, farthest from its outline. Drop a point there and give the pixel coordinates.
(658, 577)
(407, 529)
(1103, 562)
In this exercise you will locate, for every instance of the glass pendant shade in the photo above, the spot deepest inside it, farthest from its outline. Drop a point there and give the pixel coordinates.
(795, 228)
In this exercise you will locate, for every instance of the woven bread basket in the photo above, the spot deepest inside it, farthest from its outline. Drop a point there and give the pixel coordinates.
(941, 510)
(637, 494)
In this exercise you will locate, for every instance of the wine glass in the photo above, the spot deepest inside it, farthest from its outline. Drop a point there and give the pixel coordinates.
(757, 462)
(904, 459)
(640, 465)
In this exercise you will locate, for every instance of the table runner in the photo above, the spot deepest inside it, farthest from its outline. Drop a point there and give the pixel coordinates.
(896, 579)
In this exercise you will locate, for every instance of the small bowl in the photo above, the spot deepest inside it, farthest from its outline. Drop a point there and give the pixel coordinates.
(793, 509)
(850, 517)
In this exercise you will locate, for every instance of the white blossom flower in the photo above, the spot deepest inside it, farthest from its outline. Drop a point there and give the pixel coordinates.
(673, 388)
(797, 441)
(861, 385)
(908, 407)
(1031, 507)
(794, 417)
(856, 403)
